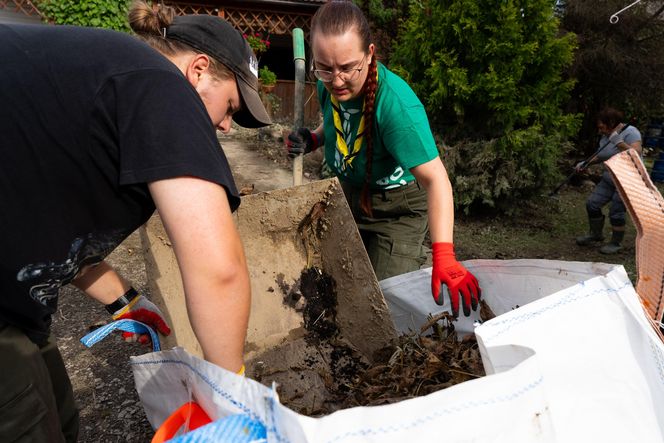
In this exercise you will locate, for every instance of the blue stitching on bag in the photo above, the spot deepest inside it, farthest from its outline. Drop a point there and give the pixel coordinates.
(271, 402)
(433, 416)
(508, 323)
(512, 321)
(216, 388)
(659, 358)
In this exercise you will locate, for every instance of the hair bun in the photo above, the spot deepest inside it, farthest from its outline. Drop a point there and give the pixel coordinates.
(152, 20)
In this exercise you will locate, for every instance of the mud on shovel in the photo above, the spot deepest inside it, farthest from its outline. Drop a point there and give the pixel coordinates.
(584, 165)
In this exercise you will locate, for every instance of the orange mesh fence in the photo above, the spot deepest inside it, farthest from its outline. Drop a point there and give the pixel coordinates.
(646, 207)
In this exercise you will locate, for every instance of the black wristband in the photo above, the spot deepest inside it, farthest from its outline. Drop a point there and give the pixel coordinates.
(123, 301)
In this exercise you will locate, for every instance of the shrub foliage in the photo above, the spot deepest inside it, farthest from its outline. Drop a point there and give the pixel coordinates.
(385, 17)
(110, 14)
(490, 73)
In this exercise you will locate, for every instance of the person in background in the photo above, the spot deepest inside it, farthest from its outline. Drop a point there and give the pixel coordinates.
(378, 142)
(97, 130)
(616, 137)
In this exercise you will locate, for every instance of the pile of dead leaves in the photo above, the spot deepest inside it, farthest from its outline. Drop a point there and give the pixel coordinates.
(418, 364)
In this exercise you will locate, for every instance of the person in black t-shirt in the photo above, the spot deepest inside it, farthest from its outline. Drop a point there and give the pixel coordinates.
(97, 129)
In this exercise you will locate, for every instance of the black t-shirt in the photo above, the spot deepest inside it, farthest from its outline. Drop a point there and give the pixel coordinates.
(87, 118)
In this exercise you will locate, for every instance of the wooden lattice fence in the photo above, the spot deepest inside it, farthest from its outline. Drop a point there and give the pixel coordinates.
(250, 20)
(21, 6)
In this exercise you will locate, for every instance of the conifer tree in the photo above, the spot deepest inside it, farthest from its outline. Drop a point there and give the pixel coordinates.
(491, 75)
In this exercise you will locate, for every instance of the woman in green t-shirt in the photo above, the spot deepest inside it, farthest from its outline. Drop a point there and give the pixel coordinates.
(378, 142)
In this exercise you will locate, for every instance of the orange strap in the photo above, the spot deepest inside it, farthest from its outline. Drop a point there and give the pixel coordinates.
(189, 411)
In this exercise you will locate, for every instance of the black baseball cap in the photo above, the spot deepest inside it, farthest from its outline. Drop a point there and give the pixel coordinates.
(219, 39)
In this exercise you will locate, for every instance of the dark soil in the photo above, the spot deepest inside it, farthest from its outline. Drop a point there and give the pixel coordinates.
(314, 296)
(320, 306)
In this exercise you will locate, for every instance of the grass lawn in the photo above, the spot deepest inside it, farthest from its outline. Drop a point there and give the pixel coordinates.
(548, 231)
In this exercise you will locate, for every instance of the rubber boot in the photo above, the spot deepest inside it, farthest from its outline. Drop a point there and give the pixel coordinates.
(613, 245)
(595, 235)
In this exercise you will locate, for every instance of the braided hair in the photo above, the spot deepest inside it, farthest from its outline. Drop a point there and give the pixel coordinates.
(370, 88)
(337, 17)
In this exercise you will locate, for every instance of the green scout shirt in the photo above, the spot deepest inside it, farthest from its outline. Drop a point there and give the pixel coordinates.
(402, 138)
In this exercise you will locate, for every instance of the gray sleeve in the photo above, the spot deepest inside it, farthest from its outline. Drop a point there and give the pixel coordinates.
(632, 135)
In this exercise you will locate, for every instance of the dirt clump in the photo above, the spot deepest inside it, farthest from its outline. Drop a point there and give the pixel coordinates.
(320, 310)
(413, 365)
(324, 351)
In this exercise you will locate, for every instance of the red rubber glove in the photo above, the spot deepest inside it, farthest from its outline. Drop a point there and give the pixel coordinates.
(143, 310)
(447, 270)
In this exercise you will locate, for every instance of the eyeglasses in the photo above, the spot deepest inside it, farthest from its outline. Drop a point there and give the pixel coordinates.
(345, 75)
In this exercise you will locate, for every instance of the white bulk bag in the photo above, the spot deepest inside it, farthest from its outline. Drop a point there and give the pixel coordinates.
(577, 361)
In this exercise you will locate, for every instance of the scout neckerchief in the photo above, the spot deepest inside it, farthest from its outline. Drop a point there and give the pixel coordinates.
(342, 147)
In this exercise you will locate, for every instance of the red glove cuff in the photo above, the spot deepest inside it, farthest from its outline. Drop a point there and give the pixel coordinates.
(440, 249)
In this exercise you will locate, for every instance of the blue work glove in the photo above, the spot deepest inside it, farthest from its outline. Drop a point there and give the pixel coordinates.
(301, 141)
